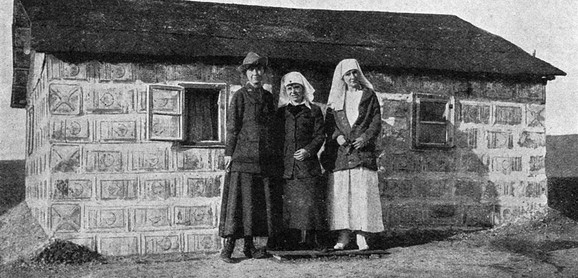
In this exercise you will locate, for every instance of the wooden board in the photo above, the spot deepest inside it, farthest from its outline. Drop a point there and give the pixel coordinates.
(297, 254)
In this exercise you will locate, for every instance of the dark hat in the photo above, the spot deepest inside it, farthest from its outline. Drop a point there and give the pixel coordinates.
(253, 59)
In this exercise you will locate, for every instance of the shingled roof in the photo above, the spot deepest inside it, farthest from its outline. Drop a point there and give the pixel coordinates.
(196, 29)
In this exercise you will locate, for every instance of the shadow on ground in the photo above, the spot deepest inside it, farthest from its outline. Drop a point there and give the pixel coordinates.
(399, 237)
(411, 237)
(539, 251)
(536, 239)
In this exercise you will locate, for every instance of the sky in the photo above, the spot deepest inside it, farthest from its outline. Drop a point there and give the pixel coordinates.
(547, 27)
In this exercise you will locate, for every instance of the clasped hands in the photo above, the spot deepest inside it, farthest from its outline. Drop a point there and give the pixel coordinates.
(300, 155)
(358, 143)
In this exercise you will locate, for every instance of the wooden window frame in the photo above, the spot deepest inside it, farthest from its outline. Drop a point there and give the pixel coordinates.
(222, 105)
(30, 117)
(416, 122)
(181, 113)
(152, 112)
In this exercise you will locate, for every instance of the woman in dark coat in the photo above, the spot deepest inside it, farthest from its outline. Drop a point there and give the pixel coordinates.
(354, 122)
(251, 202)
(303, 194)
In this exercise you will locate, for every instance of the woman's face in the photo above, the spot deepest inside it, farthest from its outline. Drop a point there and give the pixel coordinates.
(255, 75)
(351, 78)
(295, 92)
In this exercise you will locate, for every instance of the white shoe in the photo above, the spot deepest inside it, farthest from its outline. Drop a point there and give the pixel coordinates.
(361, 243)
(339, 246)
(342, 241)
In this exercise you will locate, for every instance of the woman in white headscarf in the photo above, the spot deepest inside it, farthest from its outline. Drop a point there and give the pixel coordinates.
(354, 123)
(303, 202)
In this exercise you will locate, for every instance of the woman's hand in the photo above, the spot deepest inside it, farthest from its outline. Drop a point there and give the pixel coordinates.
(359, 143)
(341, 140)
(227, 163)
(301, 154)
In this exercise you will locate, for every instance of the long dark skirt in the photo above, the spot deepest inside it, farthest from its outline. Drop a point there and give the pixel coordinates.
(304, 204)
(251, 205)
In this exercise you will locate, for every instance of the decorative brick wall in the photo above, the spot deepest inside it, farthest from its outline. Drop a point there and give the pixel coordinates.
(495, 172)
(94, 178)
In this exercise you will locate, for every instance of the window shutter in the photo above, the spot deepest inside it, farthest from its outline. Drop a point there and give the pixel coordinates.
(30, 130)
(165, 105)
(432, 123)
(450, 117)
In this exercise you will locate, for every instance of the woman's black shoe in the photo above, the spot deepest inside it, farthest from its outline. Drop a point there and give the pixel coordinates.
(251, 252)
(227, 251)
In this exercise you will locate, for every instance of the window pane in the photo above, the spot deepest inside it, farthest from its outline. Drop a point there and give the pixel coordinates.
(166, 100)
(432, 111)
(202, 115)
(165, 126)
(432, 134)
(165, 112)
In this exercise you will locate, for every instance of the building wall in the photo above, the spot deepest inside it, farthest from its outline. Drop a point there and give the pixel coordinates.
(94, 178)
(495, 172)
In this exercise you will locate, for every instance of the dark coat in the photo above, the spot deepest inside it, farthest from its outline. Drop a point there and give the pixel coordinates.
(303, 130)
(251, 124)
(252, 194)
(367, 126)
(251, 206)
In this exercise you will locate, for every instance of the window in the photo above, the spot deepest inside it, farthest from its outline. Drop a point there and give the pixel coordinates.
(30, 130)
(432, 121)
(190, 113)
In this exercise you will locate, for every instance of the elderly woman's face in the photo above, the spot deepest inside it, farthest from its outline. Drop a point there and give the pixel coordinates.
(295, 91)
(351, 78)
(255, 75)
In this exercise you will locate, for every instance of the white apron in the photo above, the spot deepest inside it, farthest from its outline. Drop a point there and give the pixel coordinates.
(354, 201)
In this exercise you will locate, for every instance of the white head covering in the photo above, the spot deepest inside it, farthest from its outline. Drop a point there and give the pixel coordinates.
(338, 86)
(295, 78)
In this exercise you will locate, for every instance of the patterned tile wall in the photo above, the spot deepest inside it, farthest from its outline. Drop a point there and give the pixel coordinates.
(95, 179)
(498, 158)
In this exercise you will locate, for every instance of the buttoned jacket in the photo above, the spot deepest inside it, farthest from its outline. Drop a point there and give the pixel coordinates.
(251, 129)
(303, 130)
(367, 126)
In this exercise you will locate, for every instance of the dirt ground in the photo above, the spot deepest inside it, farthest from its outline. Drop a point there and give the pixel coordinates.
(544, 247)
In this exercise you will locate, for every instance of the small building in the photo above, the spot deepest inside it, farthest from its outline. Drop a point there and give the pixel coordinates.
(126, 104)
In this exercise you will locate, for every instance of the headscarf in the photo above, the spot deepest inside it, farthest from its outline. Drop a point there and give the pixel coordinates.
(295, 78)
(338, 87)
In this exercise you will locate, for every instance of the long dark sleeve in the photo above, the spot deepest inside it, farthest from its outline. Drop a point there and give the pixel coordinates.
(318, 132)
(329, 153)
(234, 122)
(374, 127)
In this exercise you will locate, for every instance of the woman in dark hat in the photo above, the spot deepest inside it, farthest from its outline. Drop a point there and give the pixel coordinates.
(251, 200)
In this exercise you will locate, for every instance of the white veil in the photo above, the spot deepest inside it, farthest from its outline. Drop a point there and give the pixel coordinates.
(338, 87)
(295, 78)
